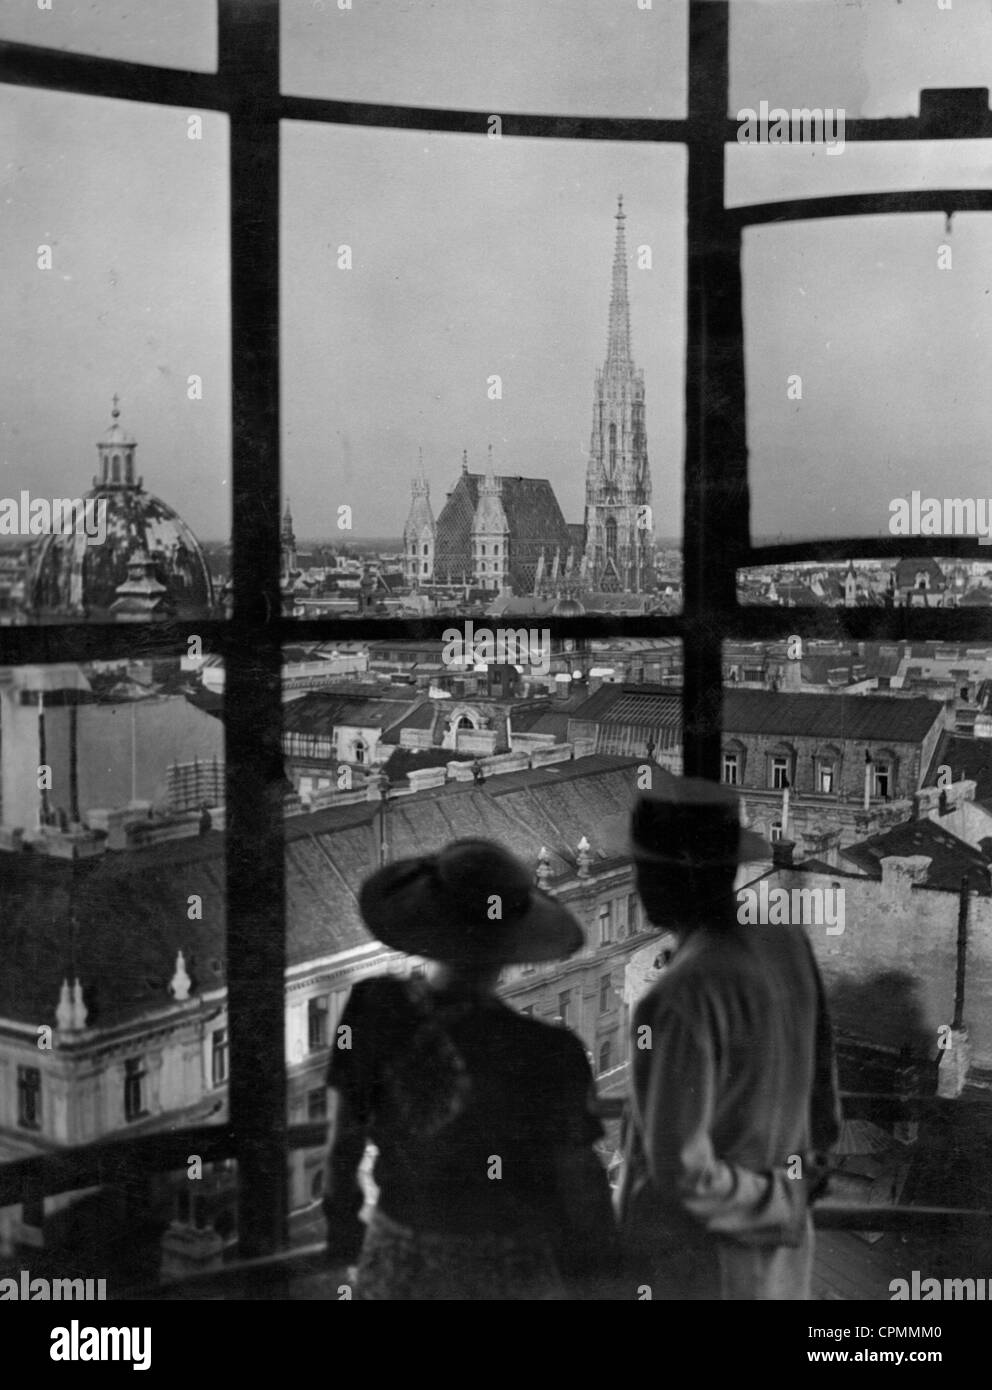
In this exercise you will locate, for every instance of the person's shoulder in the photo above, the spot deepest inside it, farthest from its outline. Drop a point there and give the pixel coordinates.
(377, 993)
(548, 1037)
(684, 986)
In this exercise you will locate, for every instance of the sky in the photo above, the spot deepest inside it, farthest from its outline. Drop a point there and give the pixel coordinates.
(474, 257)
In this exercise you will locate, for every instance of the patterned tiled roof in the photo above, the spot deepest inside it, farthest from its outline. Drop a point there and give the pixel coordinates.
(534, 518)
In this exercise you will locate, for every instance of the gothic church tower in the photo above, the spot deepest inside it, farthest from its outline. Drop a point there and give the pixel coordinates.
(619, 533)
(419, 533)
(490, 534)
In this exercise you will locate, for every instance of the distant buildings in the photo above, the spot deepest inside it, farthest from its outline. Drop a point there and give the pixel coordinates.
(505, 533)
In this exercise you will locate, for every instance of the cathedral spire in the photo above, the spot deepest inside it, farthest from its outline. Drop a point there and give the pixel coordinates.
(421, 487)
(618, 341)
(490, 486)
(619, 528)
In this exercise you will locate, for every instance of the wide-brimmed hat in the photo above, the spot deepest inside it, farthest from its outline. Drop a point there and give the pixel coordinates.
(472, 902)
(687, 822)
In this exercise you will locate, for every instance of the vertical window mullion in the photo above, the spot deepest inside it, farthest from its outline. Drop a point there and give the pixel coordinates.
(256, 939)
(715, 526)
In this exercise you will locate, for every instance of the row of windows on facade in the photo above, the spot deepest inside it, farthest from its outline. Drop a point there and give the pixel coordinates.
(320, 1012)
(781, 773)
(29, 1100)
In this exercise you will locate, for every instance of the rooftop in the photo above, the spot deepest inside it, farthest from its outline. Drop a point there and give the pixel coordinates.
(951, 859)
(876, 718)
(119, 920)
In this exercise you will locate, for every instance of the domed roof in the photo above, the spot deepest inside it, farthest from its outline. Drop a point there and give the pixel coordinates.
(74, 574)
(79, 574)
(568, 608)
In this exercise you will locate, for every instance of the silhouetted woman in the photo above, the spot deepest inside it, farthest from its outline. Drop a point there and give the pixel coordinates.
(489, 1187)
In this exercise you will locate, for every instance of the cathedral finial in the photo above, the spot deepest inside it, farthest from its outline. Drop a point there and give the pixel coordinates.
(115, 413)
(464, 460)
(618, 340)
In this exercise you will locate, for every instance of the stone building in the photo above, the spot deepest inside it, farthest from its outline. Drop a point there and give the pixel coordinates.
(819, 769)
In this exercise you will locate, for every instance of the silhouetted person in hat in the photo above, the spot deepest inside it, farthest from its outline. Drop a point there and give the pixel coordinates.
(489, 1186)
(734, 1101)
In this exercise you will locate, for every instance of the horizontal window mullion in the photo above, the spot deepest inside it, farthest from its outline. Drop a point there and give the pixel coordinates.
(893, 202)
(458, 121)
(840, 549)
(84, 74)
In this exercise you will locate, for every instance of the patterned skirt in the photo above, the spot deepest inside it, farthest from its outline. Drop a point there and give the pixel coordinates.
(398, 1263)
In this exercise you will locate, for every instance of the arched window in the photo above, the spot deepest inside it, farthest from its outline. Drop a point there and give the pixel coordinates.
(361, 748)
(482, 549)
(115, 468)
(464, 723)
(427, 550)
(613, 448)
(611, 534)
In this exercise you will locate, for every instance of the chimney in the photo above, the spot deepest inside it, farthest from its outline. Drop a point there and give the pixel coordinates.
(782, 852)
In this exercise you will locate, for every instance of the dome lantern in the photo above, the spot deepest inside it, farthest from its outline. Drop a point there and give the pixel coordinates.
(116, 450)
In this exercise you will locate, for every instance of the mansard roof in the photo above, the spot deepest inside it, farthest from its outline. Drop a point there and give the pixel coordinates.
(118, 921)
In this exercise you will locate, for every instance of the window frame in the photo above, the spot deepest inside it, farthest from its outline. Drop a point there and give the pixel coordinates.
(715, 541)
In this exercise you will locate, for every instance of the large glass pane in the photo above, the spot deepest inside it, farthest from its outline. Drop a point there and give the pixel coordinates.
(115, 438)
(394, 748)
(858, 763)
(113, 991)
(761, 173)
(869, 59)
(573, 57)
(458, 313)
(182, 34)
(867, 354)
